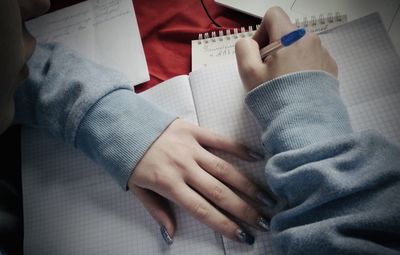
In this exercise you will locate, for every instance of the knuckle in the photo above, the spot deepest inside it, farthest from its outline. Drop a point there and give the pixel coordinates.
(217, 194)
(200, 211)
(273, 11)
(241, 43)
(221, 168)
(160, 179)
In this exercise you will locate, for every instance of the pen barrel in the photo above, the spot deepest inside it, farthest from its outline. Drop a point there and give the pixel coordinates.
(267, 50)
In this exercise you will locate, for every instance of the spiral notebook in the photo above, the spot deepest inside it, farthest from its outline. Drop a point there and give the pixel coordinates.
(72, 206)
(219, 46)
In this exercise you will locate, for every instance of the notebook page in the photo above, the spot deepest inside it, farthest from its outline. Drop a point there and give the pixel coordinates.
(218, 95)
(72, 206)
(369, 84)
(104, 31)
(369, 75)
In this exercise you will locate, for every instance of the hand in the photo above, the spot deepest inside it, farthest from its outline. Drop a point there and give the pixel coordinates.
(178, 168)
(305, 54)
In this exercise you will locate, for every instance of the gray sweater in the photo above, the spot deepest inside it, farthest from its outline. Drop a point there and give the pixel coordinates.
(342, 187)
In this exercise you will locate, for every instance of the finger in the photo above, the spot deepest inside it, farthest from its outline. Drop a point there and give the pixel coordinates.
(202, 210)
(225, 198)
(160, 210)
(261, 35)
(250, 65)
(228, 174)
(274, 25)
(205, 137)
(247, 52)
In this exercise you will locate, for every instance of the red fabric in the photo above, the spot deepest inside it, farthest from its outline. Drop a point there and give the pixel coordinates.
(167, 28)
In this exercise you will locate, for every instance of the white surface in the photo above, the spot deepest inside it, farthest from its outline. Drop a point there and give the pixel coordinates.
(353, 8)
(258, 8)
(104, 31)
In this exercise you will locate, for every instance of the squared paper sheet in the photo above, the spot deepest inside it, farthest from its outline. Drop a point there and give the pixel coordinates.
(369, 74)
(104, 31)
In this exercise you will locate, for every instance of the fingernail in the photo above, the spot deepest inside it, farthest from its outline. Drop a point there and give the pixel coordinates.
(265, 199)
(244, 237)
(263, 223)
(167, 238)
(255, 155)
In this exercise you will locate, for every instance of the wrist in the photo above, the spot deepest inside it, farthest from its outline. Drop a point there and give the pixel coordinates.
(118, 131)
(299, 108)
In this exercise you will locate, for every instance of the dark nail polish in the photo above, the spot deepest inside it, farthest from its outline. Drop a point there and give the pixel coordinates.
(167, 238)
(244, 237)
(265, 199)
(263, 223)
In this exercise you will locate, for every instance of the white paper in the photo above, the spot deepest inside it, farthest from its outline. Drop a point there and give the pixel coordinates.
(258, 8)
(103, 31)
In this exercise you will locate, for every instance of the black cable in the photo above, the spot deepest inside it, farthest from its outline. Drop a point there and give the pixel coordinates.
(208, 14)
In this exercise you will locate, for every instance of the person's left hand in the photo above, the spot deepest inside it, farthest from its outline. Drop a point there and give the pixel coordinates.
(178, 167)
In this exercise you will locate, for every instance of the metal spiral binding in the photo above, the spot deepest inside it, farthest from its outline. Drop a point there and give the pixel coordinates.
(312, 24)
(219, 35)
(321, 20)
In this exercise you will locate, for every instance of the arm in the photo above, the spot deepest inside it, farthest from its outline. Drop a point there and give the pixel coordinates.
(341, 187)
(154, 154)
(90, 107)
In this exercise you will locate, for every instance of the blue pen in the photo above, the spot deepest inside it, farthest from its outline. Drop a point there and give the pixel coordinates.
(285, 41)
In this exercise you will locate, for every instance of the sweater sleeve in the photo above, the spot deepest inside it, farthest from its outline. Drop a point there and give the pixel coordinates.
(89, 106)
(342, 187)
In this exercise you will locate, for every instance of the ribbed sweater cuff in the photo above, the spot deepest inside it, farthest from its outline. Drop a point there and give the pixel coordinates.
(299, 109)
(118, 130)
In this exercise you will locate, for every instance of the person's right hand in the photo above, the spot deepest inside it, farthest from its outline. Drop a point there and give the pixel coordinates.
(305, 54)
(178, 168)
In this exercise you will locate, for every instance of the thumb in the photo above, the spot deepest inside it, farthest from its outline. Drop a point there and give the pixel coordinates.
(275, 24)
(159, 209)
(251, 68)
